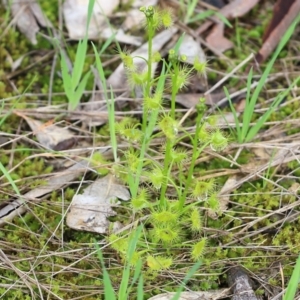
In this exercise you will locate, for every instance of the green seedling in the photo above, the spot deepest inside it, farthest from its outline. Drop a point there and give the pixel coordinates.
(74, 83)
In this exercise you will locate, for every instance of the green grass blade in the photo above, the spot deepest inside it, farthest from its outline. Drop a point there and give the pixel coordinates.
(178, 43)
(235, 116)
(137, 272)
(191, 272)
(201, 16)
(78, 93)
(140, 289)
(123, 290)
(249, 109)
(260, 122)
(191, 8)
(110, 104)
(101, 72)
(109, 292)
(267, 71)
(89, 14)
(107, 43)
(82, 49)
(223, 19)
(293, 284)
(9, 179)
(79, 62)
(67, 81)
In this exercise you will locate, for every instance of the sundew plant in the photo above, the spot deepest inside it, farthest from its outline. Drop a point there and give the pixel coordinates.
(164, 189)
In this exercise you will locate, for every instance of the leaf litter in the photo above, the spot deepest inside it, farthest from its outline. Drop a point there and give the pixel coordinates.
(28, 16)
(86, 214)
(49, 135)
(90, 210)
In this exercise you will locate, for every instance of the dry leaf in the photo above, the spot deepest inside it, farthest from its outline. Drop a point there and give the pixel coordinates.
(217, 40)
(209, 295)
(90, 210)
(120, 36)
(50, 136)
(285, 12)
(192, 99)
(27, 15)
(54, 183)
(75, 14)
(234, 9)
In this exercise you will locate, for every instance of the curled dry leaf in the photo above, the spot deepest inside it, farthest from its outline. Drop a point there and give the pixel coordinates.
(90, 210)
(209, 295)
(50, 135)
(27, 15)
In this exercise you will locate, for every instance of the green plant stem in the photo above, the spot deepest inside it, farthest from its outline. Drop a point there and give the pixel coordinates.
(174, 90)
(166, 172)
(195, 155)
(170, 143)
(147, 92)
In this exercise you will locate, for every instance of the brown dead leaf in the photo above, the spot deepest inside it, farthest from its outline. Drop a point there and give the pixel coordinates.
(27, 15)
(50, 135)
(285, 12)
(90, 210)
(217, 40)
(54, 183)
(75, 15)
(234, 9)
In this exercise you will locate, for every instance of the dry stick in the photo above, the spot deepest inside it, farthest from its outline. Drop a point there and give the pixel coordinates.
(218, 84)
